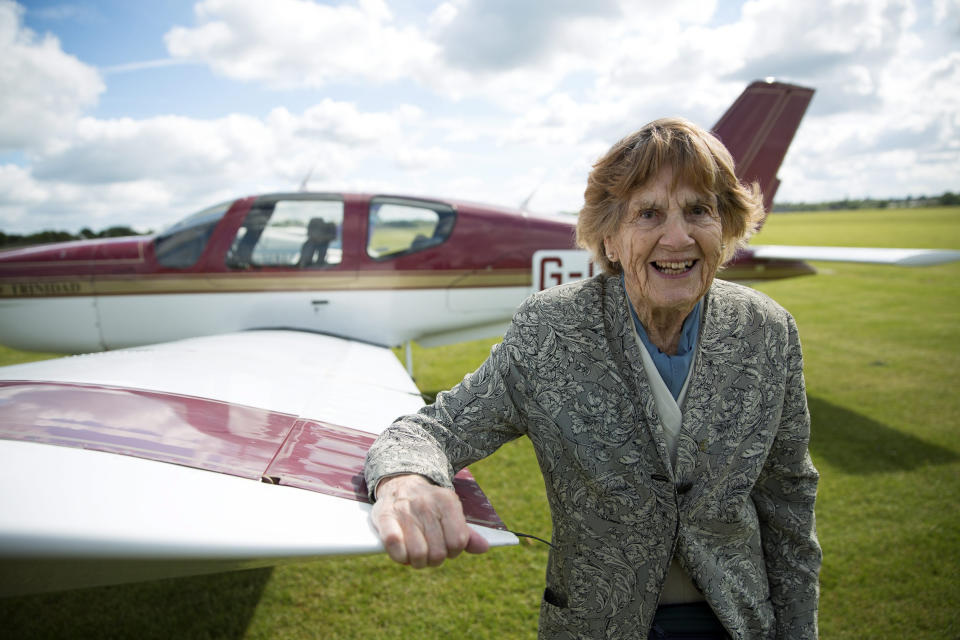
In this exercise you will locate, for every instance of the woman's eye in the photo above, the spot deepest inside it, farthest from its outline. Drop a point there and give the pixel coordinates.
(646, 214)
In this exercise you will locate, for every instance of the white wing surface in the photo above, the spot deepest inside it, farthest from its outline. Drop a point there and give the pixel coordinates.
(197, 456)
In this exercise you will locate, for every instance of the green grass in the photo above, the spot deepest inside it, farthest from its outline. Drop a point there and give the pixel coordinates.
(933, 228)
(882, 357)
(10, 356)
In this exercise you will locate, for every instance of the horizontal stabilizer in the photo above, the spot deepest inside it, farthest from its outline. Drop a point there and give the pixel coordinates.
(867, 255)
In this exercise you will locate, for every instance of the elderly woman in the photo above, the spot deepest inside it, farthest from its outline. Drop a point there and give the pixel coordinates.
(667, 411)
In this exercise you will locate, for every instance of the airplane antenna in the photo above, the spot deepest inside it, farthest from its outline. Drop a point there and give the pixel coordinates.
(306, 179)
(526, 201)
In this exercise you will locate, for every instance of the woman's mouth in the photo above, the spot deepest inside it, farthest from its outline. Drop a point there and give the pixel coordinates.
(673, 268)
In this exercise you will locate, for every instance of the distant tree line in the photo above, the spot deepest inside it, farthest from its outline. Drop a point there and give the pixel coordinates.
(948, 199)
(13, 240)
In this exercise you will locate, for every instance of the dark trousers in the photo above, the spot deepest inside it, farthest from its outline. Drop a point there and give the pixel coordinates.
(694, 621)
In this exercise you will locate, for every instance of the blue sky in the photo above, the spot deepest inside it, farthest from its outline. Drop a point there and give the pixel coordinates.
(123, 113)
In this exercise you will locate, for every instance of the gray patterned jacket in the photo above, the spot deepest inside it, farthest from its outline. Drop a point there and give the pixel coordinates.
(738, 508)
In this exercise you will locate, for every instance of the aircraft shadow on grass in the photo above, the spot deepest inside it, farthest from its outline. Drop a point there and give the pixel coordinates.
(860, 445)
(207, 606)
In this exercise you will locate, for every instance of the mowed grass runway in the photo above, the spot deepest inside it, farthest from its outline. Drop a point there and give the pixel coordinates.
(882, 350)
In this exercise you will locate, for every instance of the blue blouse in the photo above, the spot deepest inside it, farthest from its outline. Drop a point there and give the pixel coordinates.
(673, 368)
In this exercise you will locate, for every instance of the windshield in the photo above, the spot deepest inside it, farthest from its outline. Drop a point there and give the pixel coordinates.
(181, 245)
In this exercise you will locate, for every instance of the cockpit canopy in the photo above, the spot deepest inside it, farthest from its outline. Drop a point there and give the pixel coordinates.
(305, 231)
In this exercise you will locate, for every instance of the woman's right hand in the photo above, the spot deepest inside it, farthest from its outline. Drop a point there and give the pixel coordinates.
(422, 524)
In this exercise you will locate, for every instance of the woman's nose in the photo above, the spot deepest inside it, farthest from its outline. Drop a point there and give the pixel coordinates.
(676, 232)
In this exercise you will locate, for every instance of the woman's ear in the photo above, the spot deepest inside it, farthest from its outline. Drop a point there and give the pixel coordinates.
(608, 249)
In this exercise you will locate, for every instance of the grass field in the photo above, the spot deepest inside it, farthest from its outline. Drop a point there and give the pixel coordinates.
(882, 349)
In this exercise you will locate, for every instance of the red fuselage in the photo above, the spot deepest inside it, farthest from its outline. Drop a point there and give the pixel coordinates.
(394, 269)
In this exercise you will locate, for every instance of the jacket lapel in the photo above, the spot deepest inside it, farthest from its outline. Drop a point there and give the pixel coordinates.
(701, 391)
(626, 352)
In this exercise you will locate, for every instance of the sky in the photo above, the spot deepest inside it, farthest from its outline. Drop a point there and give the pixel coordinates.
(125, 113)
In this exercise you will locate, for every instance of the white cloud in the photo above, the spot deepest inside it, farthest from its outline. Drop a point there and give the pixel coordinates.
(44, 89)
(480, 100)
(948, 11)
(903, 110)
(343, 123)
(29, 204)
(18, 186)
(422, 159)
(508, 53)
(291, 43)
(841, 46)
(499, 35)
(140, 66)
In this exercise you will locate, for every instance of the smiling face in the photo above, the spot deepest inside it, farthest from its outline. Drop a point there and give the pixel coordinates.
(669, 246)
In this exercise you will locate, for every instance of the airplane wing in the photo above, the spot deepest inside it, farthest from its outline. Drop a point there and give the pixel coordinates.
(868, 255)
(197, 456)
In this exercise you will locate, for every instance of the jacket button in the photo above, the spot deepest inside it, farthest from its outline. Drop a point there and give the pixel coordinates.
(684, 488)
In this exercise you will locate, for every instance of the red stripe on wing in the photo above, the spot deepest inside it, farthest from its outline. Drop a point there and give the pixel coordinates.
(205, 434)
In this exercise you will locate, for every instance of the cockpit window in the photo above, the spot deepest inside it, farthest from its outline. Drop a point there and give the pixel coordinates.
(294, 233)
(399, 227)
(181, 245)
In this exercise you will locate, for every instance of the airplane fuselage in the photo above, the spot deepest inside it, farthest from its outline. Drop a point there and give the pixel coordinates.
(109, 294)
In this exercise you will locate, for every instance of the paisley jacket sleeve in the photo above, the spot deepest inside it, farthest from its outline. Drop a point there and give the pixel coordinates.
(463, 425)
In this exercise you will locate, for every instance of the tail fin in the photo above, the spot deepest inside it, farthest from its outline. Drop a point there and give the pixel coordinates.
(758, 128)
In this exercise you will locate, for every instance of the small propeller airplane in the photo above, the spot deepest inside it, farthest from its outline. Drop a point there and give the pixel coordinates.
(246, 369)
